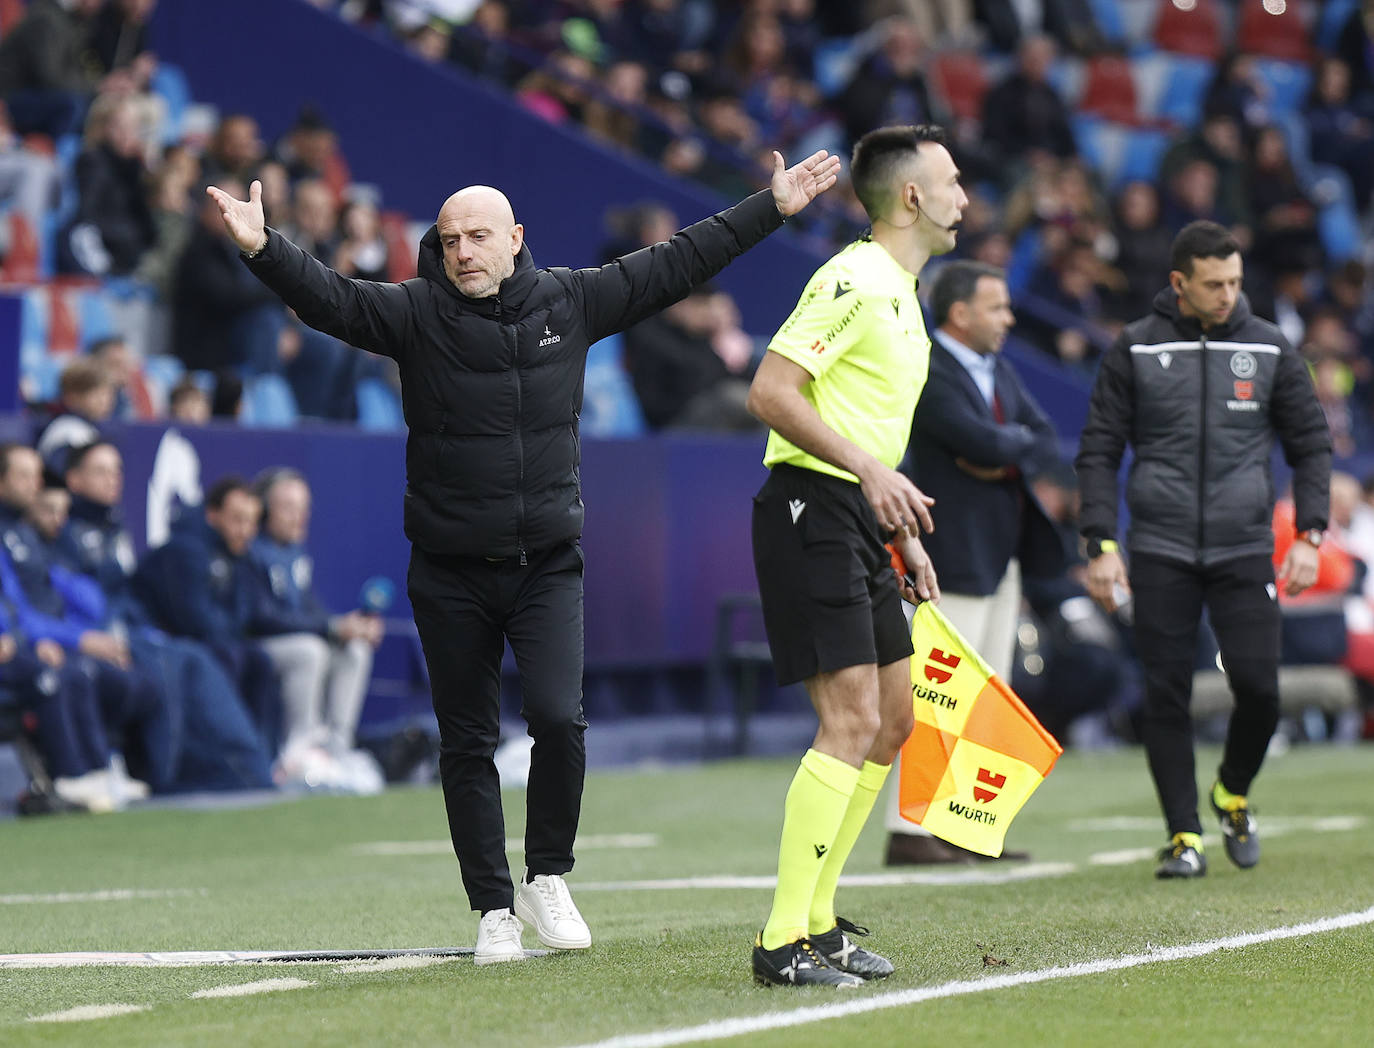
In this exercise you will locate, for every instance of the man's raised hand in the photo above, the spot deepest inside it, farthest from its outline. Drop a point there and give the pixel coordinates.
(795, 187)
(243, 219)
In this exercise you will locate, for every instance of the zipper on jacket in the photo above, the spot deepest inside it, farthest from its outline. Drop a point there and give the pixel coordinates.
(1202, 453)
(519, 441)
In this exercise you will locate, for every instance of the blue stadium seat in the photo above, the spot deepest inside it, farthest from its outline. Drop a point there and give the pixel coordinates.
(268, 402)
(1140, 156)
(1107, 15)
(833, 62)
(163, 370)
(609, 406)
(1185, 86)
(379, 408)
(1289, 84)
(1335, 13)
(170, 84)
(95, 315)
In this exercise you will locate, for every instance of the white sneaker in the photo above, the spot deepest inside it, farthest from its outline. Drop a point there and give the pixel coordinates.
(547, 904)
(92, 791)
(498, 938)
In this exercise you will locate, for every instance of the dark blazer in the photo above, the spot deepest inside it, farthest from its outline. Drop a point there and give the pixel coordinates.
(981, 524)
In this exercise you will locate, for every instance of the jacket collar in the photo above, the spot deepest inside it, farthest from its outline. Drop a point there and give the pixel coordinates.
(511, 294)
(1166, 304)
(90, 512)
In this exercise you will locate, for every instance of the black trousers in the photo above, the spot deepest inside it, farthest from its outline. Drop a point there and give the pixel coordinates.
(466, 608)
(1244, 612)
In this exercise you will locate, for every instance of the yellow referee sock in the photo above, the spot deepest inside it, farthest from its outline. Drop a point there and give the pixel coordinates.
(816, 804)
(871, 779)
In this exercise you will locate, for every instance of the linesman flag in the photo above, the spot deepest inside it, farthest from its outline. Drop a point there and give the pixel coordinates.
(976, 753)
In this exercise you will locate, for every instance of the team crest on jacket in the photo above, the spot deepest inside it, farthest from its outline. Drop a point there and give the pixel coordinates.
(549, 339)
(1243, 364)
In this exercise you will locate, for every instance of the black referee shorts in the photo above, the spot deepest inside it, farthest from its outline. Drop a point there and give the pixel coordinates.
(830, 596)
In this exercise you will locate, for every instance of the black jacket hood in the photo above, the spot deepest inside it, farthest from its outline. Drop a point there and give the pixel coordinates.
(513, 291)
(1166, 304)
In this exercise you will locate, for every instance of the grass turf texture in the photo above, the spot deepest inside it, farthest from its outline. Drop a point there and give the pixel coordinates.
(286, 877)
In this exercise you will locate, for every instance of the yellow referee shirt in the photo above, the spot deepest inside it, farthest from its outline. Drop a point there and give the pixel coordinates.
(858, 330)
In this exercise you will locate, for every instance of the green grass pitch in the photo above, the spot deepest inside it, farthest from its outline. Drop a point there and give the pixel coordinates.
(300, 875)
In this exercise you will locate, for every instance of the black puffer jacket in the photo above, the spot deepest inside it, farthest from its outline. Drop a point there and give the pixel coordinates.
(492, 387)
(1201, 413)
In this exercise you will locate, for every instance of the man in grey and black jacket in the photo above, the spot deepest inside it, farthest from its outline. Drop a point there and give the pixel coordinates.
(492, 353)
(1200, 389)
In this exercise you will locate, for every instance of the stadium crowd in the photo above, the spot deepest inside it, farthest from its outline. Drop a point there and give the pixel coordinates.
(1081, 164)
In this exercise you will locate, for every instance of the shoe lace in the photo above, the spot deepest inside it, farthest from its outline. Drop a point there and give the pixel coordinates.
(504, 928)
(849, 927)
(554, 891)
(1239, 820)
(816, 957)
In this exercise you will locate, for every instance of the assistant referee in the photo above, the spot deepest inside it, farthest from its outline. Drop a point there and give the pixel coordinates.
(838, 387)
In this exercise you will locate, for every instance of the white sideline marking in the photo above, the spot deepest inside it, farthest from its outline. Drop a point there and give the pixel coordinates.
(1028, 871)
(390, 964)
(592, 841)
(88, 1011)
(1279, 826)
(201, 958)
(249, 989)
(113, 895)
(723, 1028)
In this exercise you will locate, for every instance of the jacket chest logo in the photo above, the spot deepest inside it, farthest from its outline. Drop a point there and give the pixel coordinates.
(1243, 364)
(1165, 359)
(549, 339)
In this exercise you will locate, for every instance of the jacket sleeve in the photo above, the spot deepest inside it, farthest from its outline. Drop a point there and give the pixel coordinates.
(364, 313)
(1306, 439)
(34, 624)
(945, 417)
(178, 588)
(1111, 413)
(637, 285)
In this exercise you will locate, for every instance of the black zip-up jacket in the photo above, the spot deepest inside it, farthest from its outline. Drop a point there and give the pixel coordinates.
(1201, 411)
(491, 388)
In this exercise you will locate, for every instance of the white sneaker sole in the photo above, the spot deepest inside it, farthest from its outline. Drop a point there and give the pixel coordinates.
(500, 958)
(554, 942)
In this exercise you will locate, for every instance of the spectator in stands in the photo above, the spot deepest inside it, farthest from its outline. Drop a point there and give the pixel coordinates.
(473, 520)
(132, 399)
(614, 118)
(889, 87)
(1142, 249)
(113, 225)
(201, 585)
(672, 34)
(937, 21)
(557, 91)
(221, 747)
(1341, 130)
(28, 188)
(314, 221)
(1354, 46)
(187, 403)
(1219, 142)
(324, 660)
(1023, 114)
(44, 78)
(86, 400)
(310, 149)
(50, 602)
(119, 37)
(1068, 291)
(1192, 196)
(236, 151)
(48, 514)
(1285, 218)
(483, 45)
(174, 217)
(681, 378)
(1239, 91)
(362, 250)
(221, 316)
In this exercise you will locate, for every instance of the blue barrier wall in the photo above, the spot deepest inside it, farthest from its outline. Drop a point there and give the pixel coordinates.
(667, 523)
(420, 132)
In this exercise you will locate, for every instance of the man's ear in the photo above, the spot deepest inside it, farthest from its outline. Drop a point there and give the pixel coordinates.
(517, 238)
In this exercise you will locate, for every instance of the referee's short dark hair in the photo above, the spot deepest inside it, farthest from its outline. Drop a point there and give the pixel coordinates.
(876, 157)
(958, 282)
(1201, 240)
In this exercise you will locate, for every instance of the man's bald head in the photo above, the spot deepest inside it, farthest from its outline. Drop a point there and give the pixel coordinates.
(480, 239)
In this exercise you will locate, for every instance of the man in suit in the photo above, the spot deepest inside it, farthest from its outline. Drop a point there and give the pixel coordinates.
(977, 439)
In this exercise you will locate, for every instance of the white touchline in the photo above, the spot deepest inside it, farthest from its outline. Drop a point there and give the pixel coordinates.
(1029, 871)
(248, 989)
(725, 1028)
(111, 895)
(87, 1012)
(592, 841)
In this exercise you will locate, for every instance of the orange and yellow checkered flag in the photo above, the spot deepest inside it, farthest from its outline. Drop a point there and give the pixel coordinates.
(976, 753)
